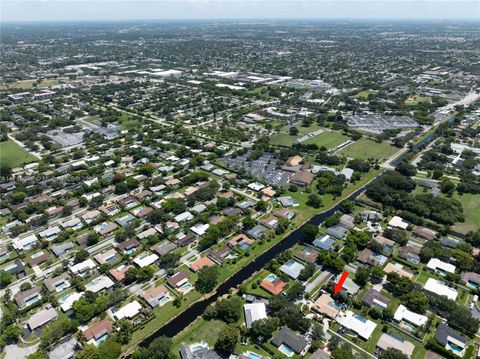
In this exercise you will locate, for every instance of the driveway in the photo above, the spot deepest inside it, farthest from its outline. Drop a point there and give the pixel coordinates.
(13, 351)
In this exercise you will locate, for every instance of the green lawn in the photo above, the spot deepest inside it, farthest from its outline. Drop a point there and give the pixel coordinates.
(200, 330)
(415, 100)
(471, 209)
(365, 149)
(363, 95)
(283, 139)
(329, 139)
(12, 155)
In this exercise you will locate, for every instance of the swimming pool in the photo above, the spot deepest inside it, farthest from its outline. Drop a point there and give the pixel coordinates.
(271, 277)
(360, 318)
(64, 298)
(285, 349)
(253, 355)
(335, 305)
(197, 347)
(164, 300)
(185, 287)
(454, 348)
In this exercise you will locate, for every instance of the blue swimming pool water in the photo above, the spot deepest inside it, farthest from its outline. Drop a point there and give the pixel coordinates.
(253, 355)
(285, 349)
(271, 277)
(360, 318)
(164, 300)
(454, 348)
(185, 287)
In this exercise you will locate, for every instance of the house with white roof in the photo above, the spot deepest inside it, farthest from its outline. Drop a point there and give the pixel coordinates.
(200, 228)
(404, 314)
(184, 217)
(438, 287)
(292, 268)
(253, 312)
(66, 302)
(82, 267)
(398, 222)
(99, 284)
(25, 243)
(356, 323)
(145, 259)
(440, 266)
(129, 311)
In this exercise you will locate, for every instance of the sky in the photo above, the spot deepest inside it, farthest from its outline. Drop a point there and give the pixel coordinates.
(73, 10)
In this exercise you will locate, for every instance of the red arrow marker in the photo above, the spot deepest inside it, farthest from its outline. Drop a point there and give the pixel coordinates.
(339, 285)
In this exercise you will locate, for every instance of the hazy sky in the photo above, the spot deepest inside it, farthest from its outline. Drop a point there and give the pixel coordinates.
(66, 10)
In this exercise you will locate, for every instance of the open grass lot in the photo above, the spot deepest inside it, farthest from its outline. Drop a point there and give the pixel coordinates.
(363, 95)
(329, 139)
(365, 149)
(471, 209)
(12, 155)
(416, 99)
(28, 84)
(283, 139)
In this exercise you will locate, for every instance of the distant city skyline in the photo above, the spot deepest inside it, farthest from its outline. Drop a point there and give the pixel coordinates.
(75, 10)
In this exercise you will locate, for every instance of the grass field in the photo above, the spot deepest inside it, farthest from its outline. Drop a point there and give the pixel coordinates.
(415, 100)
(329, 139)
(365, 149)
(471, 209)
(363, 95)
(12, 155)
(283, 138)
(28, 84)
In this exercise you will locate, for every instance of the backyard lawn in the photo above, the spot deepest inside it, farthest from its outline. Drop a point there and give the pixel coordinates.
(12, 155)
(365, 149)
(471, 209)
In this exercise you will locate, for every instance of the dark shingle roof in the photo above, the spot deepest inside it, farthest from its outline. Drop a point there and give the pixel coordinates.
(287, 336)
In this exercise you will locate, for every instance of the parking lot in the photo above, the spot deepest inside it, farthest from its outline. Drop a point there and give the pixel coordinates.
(264, 168)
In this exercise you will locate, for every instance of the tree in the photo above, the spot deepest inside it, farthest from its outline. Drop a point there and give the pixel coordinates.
(362, 275)
(416, 301)
(229, 310)
(314, 200)
(89, 351)
(248, 223)
(25, 286)
(207, 279)
(392, 353)
(227, 339)
(310, 231)
(261, 206)
(81, 255)
(124, 333)
(11, 333)
(295, 291)
(263, 329)
(160, 348)
(293, 131)
(5, 278)
(109, 349)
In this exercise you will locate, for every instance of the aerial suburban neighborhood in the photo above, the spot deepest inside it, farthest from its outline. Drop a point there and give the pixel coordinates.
(240, 189)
